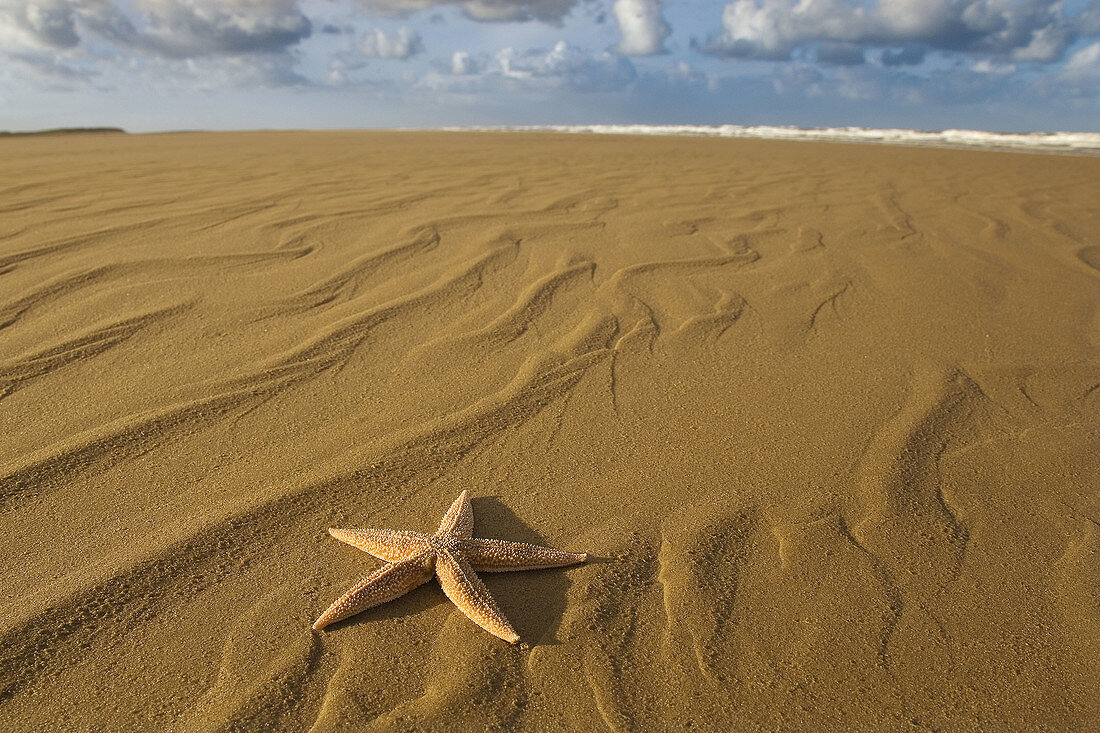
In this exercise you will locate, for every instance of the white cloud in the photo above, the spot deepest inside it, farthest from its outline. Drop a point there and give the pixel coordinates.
(642, 25)
(999, 49)
(177, 29)
(236, 71)
(1081, 73)
(1046, 44)
(771, 29)
(401, 45)
(1089, 20)
(462, 64)
(562, 67)
(984, 84)
(799, 78)
(44, 24)
(252, 38)
(550, 11)
(195, 28)
(52, 69)
(568, 66)
(1017, 30)
(168, 28)
(985, 66)
(339, 68)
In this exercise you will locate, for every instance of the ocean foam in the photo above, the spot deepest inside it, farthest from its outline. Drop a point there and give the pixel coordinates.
(1052, 141)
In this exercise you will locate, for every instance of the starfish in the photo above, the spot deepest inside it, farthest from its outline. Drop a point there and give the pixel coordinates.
(452, 555)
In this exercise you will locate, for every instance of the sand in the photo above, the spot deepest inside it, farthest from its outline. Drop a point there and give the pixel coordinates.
(826, 418)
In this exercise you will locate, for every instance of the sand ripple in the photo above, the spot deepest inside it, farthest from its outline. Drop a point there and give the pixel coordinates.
(825, 417)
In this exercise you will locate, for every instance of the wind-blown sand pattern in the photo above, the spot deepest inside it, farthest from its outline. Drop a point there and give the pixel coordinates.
(825, 417)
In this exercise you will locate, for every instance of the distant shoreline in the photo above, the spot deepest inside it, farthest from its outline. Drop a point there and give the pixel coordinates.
(63, 131)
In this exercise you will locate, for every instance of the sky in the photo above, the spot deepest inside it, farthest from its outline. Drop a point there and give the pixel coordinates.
(149, 65)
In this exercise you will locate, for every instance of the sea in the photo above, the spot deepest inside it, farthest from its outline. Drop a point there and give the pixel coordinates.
(1036, 141)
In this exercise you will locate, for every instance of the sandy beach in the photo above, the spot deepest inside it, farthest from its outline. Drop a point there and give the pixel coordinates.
(824, 416)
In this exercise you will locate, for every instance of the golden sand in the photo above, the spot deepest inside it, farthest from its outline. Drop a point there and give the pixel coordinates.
(825, 417)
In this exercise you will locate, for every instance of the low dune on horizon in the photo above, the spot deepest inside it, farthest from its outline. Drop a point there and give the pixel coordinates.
(825, 418)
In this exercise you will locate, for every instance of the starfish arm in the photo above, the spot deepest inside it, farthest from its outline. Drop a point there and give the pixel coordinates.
(384, 584)
(459, 519)
(461, 584)
(495, 556)
(385, 544)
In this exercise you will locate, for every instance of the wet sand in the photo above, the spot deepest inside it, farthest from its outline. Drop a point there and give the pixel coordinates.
(826, 418)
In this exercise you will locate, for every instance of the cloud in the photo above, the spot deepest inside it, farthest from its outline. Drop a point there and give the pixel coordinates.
(236, 71)
(569, 66)
(1017, 30)
(642, 25)
(339, 68)
(909, 55)
(53, 70)
(1089, 20)
(48, 24)
(835, 51)
(985, 66)
(839, 54)
(462, 64)
(184, 29)
(799, 78)
(178, 29)
(564, 67)
(1081, 73)
(867, 83)
(401, 45)
(203, 43)
(549, 11)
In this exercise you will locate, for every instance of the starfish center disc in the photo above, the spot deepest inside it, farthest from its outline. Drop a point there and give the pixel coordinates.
(446, 542)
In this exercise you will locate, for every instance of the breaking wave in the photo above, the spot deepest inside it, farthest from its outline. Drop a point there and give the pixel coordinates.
(1049, 141)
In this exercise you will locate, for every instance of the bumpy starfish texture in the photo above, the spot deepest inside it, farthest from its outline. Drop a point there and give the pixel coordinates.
(453, 555)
